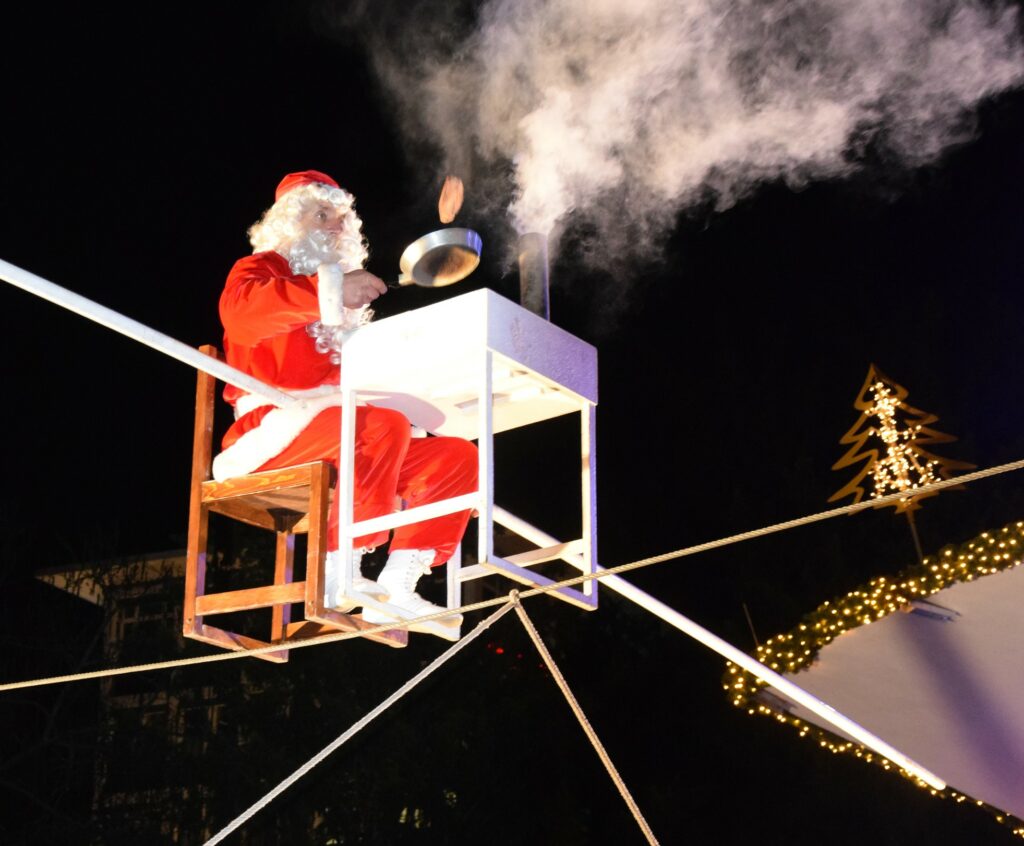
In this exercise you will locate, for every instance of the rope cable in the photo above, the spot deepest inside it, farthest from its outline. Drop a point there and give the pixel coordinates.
(359, 725)
(536, 591)
(588, 729)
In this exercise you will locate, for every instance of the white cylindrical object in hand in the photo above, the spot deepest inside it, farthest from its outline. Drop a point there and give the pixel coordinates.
(329, 289)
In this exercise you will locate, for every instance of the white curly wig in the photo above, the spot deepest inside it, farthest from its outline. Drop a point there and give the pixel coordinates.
(280, 230)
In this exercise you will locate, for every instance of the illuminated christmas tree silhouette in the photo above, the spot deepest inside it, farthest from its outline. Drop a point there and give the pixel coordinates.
(890, 437)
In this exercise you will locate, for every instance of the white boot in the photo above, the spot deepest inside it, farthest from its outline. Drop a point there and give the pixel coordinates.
(333, 596)
(399, 577)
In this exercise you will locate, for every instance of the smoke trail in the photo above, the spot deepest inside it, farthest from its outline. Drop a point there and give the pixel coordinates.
(634, 111)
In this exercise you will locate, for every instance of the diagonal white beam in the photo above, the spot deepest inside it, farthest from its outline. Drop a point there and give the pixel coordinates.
(140, 332)
(751, 665)
(770, 677)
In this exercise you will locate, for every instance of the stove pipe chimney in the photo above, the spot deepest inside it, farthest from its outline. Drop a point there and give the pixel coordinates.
(533, 273)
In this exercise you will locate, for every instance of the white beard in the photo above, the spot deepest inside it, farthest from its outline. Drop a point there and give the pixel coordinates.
(307, 253)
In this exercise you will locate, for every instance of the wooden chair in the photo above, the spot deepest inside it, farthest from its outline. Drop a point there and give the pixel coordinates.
(288, 501)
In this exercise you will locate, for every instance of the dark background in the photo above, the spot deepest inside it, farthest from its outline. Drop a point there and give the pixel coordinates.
(138, 148)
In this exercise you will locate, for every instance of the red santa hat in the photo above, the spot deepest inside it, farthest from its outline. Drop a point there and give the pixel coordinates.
(305, 177)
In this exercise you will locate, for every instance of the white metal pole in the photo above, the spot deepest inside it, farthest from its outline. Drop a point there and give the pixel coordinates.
(784, 686)
(140, 332)
(588, 423)
(453, 583)
(485, 458)
(345, 490)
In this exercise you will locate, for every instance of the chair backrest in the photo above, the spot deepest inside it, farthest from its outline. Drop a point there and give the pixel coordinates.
(202, 437)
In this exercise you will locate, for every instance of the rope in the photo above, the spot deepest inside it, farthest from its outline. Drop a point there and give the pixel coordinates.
(588, 729)
(490, 603)
(793, 524)
(376, 712)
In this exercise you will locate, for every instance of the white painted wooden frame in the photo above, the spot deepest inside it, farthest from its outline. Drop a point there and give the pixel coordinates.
(473, 366)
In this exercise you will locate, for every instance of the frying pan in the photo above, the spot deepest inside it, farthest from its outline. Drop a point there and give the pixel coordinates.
(440, 258)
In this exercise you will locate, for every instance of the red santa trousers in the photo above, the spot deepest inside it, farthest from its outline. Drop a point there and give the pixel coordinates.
(389, 463)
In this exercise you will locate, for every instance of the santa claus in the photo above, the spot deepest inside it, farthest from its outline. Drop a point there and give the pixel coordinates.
(284, 309)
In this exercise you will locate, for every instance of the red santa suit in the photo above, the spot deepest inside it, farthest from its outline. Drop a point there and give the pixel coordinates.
(265, 309)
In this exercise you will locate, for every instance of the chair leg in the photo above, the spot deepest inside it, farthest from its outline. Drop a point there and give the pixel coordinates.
(284, 566)
(319, 502)
(195, 566)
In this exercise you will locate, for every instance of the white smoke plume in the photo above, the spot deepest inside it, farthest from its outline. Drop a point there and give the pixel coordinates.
(614, 111)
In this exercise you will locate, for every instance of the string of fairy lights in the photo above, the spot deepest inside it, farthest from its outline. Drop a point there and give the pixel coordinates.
(903, 467)
(896, 464)
(792, 651)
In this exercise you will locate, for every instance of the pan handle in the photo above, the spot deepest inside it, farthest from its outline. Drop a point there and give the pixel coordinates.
(403, 280)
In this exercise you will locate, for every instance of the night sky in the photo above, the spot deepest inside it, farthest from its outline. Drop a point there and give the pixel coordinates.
(139, 149)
